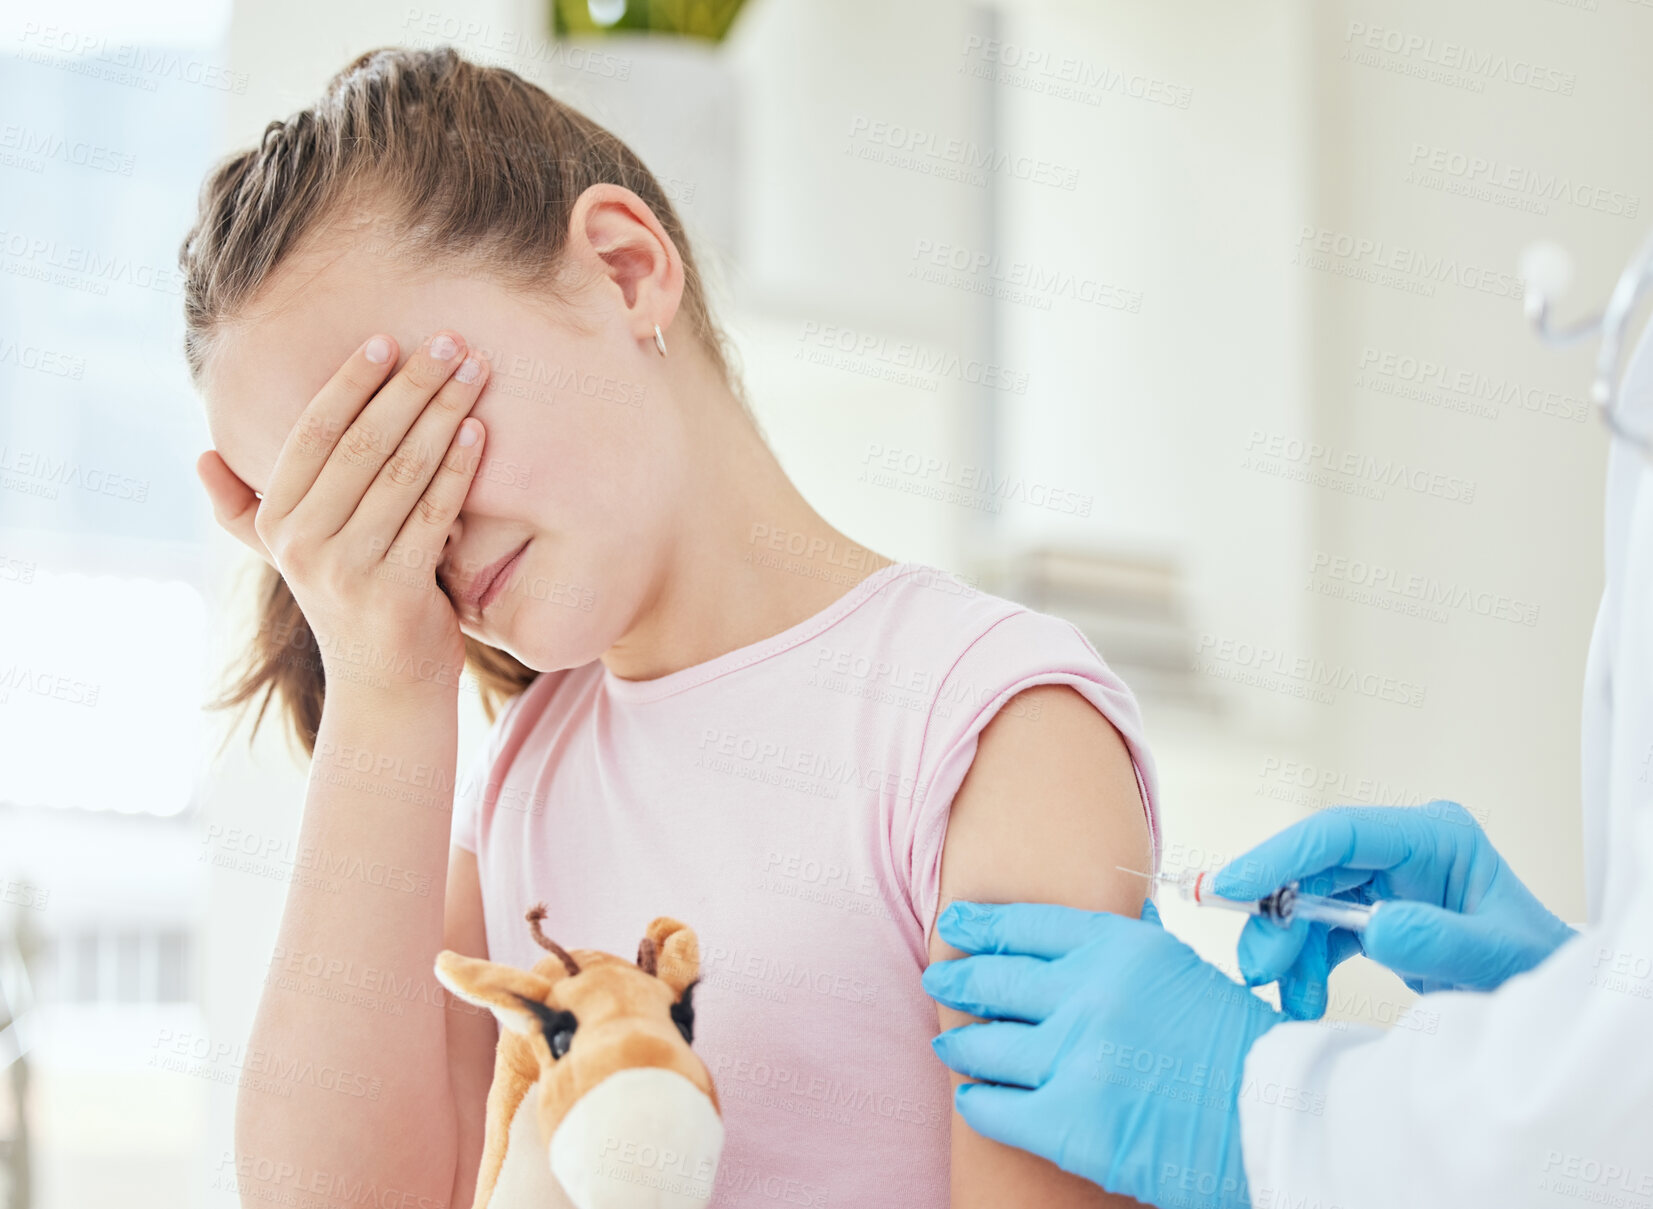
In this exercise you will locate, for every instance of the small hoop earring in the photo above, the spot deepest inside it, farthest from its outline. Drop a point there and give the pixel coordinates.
(659, 340)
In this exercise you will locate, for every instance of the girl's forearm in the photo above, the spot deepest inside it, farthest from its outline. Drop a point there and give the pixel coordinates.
(350, 1037)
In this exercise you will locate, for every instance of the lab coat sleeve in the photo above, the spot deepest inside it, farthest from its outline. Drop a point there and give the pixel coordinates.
(1541, 1092)
(1538, 1094)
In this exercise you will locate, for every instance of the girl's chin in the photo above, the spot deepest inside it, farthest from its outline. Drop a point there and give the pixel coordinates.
(490, 635)
(567, 650)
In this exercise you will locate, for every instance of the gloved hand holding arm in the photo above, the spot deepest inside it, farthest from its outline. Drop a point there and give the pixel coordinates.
(1118, 1052)
(1454, 915)
(1127, 1059)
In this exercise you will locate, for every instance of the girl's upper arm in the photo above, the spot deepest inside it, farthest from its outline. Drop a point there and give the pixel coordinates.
(471, 1032)
(1048, 809)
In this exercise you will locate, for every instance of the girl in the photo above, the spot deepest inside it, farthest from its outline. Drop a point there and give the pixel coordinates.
(469, 403)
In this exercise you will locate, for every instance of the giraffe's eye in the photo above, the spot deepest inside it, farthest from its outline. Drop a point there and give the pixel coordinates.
(559, 1032)
(683, 1013)
(557, 1024)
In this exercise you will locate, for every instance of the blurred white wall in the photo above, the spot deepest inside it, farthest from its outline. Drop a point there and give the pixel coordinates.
(1498, 729)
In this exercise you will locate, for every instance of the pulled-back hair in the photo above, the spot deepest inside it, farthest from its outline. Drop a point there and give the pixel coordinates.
(452, 163)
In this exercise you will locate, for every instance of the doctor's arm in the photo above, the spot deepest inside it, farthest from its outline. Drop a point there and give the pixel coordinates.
(1538, 1093)
(1049, 808)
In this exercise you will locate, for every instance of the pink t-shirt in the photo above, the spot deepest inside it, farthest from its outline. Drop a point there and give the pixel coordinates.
(788, 801)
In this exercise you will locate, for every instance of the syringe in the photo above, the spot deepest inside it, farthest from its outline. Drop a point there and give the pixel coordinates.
(1284, 905)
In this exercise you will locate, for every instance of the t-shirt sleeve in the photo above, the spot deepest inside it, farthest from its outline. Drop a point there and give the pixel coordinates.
(1018, 652)
(479, 782)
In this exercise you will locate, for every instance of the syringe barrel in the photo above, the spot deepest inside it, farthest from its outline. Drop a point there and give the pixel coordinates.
(1281, 907)
(1333, 912)
(1198, 889)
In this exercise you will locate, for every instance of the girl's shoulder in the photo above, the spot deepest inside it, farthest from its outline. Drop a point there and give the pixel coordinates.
(940, 618)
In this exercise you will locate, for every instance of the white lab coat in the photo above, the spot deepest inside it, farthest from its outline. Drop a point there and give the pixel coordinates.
(1540, 1093)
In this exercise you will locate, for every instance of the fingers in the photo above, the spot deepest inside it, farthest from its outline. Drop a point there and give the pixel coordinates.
(1419, 941)
(1300, 958)
(1342, 945)
(998, 1052)
(1400, 934)
(1266, 951)
(234, 504)
(424, 533)
(366, 445)
(322, 423)
(1303, 989)
(1002, 1114)
(1337, 881)
(1035, 929)
(1357, 837)
(1013, 988)
(397, 488)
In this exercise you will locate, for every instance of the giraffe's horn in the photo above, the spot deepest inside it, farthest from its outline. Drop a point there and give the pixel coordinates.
(536, 913)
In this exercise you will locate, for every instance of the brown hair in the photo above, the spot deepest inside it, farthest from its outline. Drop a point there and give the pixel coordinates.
(459, 164)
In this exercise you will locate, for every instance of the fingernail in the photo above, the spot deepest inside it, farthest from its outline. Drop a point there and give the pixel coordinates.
(443, 347)
(467, 432)
(470, 371)
(377, 350)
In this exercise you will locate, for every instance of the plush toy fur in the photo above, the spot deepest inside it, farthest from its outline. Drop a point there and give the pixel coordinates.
(597, 1100)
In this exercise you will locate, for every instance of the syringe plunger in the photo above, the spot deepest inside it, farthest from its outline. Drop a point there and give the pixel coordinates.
(1281, 907)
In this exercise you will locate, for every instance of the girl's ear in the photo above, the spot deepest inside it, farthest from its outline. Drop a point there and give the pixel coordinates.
(677, 961)
(501, 989)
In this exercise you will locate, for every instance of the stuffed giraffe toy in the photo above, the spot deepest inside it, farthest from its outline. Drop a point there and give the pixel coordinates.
(597, 1100)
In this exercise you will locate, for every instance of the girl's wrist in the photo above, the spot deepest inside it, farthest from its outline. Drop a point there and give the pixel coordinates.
(352, 686)
(381, 669)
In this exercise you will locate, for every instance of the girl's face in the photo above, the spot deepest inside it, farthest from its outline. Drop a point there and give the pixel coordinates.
(584, 459)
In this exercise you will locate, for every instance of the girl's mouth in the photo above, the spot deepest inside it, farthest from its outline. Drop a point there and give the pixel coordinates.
(495, 582)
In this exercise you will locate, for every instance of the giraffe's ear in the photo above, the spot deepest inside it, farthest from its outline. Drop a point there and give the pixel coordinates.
(648, 959)
(503, 990)
(677, 952)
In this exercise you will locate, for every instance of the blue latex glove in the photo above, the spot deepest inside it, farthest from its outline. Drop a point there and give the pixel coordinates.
(1120, 1054)
(1460, 919)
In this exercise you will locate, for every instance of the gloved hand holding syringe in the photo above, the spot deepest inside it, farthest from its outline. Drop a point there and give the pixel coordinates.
(1281, 907)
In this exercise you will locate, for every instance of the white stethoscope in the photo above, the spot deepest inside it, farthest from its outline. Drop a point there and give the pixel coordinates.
(1547, 269)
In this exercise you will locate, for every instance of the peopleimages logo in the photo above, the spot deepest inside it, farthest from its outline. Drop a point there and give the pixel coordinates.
(913, 146)
(940, 478)
(1440, 383)
(1304, 675)
(80, 267)
(1383, 263)
(1063, 76)
(1349, 575)
(1356, 473)
(1530, 182)
(145, 63)
(1420, 54)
